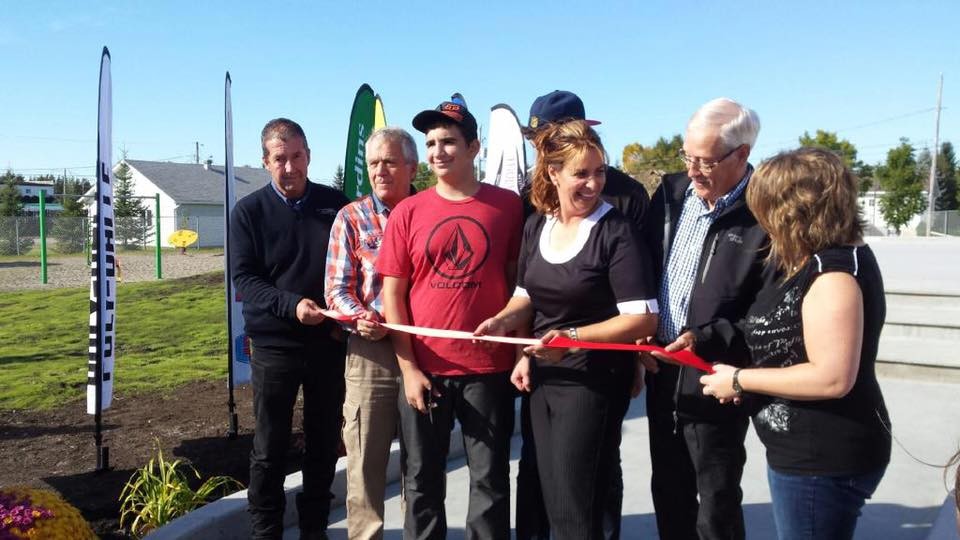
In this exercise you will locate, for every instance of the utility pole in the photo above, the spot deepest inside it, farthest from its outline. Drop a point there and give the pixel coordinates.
(933, 162)
(197, 154)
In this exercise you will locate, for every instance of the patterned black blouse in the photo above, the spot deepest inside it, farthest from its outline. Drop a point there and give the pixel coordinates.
(833, 437)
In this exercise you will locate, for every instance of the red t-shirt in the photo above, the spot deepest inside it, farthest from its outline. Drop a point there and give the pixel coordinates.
(455, 254)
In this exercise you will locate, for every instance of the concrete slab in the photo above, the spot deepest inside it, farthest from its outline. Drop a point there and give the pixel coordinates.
(926, 265)
(907, 503)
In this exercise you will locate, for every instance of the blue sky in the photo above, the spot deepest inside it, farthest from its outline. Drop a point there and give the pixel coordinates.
(868, 70)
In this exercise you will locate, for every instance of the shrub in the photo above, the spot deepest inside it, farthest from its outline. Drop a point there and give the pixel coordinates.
(38, 513)
(160, 492)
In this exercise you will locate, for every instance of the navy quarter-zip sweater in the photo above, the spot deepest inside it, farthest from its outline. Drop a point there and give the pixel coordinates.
(278, 255)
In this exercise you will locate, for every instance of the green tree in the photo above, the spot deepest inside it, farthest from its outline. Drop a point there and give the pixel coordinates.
(11, 208)
(424, 178)
(131, 222)
(338, 178)
(829, 140)
(68, 227)
(903, 186)
(947, 195)
(10, 200)
(649, 163)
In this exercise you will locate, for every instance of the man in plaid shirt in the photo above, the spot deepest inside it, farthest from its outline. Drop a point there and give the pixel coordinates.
(353, 287)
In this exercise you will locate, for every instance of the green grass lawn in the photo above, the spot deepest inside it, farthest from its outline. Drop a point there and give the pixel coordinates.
(168, 332)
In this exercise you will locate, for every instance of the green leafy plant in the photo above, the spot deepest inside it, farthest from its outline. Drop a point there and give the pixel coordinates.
(160, 492)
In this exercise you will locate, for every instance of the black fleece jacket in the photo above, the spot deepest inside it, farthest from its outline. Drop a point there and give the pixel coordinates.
(278, 255)
(730, 273)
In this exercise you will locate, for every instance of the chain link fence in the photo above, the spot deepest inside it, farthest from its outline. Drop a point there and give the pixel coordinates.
(20, 235)
(945, 223)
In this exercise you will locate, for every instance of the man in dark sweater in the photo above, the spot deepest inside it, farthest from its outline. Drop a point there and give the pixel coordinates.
(278, 248)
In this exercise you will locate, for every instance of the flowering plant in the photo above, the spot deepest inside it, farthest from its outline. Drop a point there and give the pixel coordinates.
(37, 513)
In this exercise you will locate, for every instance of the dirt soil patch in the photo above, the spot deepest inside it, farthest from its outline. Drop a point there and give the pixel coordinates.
(55, 449)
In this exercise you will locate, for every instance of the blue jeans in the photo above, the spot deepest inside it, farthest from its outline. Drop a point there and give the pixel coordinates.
(819, 507)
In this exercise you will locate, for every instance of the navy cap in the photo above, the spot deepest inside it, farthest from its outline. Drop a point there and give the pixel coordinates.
(455, 110)
(557, 106)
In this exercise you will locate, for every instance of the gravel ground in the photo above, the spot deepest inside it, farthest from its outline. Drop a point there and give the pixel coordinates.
(74, 272)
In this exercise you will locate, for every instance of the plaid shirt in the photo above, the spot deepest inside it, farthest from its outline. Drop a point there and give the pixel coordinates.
(352, 285)
(685, 252)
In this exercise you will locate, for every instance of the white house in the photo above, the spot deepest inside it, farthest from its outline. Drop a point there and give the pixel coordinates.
(31, 191)
(191, 195)
(877, 226)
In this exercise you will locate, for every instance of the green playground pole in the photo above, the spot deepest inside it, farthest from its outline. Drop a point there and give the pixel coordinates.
(156, 235)
(87, 241)
(43, 237)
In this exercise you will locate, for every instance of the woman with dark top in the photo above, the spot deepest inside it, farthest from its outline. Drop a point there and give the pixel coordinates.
(584, 274)
(813, 341)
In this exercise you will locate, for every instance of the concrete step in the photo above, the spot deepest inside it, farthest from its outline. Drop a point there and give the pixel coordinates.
(944, 332)
(948, 316)
(900, 298)
(919, 351)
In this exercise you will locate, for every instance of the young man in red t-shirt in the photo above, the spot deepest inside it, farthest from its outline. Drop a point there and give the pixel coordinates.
(449, 261)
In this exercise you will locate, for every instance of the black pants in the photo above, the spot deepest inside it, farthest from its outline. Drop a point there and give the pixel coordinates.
(531, 516)
(483, 404)
(698, 459)
(576, 431)
(277, 374)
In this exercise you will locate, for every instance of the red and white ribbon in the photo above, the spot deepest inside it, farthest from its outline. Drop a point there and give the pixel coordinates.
(686, 358)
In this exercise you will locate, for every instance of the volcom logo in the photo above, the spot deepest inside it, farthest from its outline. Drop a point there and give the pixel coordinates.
(457, 252)
(457, 247)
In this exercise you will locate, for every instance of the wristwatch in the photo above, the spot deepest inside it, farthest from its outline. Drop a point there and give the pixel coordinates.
(572, 333)
(736, 382)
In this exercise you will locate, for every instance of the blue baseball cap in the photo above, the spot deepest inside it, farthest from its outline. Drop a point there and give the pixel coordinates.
(557, 106)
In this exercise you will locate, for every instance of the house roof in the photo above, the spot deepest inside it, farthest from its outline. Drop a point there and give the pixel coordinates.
(190, 183)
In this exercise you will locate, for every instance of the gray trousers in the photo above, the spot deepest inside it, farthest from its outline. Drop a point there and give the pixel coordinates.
(484, 406)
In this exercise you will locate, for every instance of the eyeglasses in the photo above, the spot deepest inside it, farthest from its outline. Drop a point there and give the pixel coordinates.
(704, 165)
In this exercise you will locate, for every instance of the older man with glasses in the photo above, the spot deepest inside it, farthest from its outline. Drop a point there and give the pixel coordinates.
(711, 266)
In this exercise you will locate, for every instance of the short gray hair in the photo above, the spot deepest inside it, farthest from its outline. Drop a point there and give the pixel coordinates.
(394, 135)
(738, 125)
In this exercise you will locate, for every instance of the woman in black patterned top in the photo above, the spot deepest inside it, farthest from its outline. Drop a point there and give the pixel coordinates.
(582, 273)
(813, 391)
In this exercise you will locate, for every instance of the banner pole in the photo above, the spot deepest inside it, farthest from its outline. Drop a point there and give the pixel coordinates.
(103, 274)
(156, 236)
(43, 237)
(228, 200)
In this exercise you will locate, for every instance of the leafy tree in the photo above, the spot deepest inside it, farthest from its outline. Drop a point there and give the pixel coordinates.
(829, 140)
(947, 195)
(11, 207)
(903, 186)
(130, 215)
(424, 178)
(649, 163)
(338, 178)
